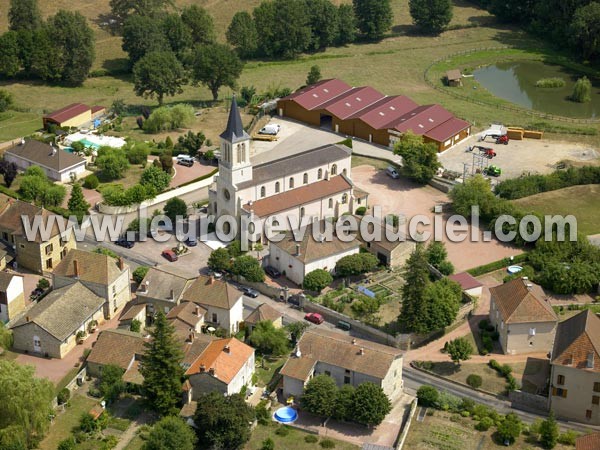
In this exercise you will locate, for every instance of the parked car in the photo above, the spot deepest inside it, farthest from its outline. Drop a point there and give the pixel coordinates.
(272, 272)
(183, 156)
(249, 292)
(191, 242)
(36, 294)
(215, 274)
(122, 242)
(392, 172)
(186, 162)
(271, 129)
(315, 318)
(169, 255)
(293, 300)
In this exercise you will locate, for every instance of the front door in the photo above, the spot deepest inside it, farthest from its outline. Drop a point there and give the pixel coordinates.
(37, 345)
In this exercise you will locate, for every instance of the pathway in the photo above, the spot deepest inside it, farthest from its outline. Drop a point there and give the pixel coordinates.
(133, 429)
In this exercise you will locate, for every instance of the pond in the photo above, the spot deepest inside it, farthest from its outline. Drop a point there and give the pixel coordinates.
(515, 81)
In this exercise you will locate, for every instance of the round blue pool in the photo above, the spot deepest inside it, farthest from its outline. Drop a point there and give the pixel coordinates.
(286, 414)
(514, 269)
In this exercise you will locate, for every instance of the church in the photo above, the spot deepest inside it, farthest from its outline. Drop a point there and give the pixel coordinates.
(314, 183)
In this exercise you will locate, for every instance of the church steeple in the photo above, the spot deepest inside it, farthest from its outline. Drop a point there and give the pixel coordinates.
(235, 130)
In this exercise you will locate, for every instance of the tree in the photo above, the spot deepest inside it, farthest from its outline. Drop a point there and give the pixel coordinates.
(269, 340)
(314, 75)
(296, 330)
(158, 74)
(317, 280)
(73, 45)
(346, 25)
(67, 444)
(416, 280)
(441, 304)
(549, 431)
(25, 404)
(248, 267)
(175, 208)
(142, 35)
(161, 367)
(510, 428)
(320, 395)
(139, 273)
(111, 382)
(371, 405)
(156, 177)
(427, 395)
(582, 91)
(77, 203)
(436, 253)
(223, 422)
(356, 264)
(8, 170)
(10, 62)
(324, 23)
(419, 159)
(344, 403)
(585, 29)
(122, 9)
(200, 24)
(459, 350)
(216, 65)
(431, 16)
(473, 192)
(191, 142)
(24, 15)
(112, 162)
(242, 34)
(177, 33)
(219, 260)
(170, 433)
(374, 17)
(53, 195)
(165, 118)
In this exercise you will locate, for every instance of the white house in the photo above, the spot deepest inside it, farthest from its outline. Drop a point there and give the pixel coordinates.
(296, 258)
(12, 299)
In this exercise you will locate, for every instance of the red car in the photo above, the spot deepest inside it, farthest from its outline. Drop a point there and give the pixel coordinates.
(315, 318)
(169, 255)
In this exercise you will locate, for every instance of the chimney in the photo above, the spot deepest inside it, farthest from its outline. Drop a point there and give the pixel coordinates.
(211, 279)
(297, 250)
(121, 263)
(202, 368)
(76, 268)
(525, 278)
(211, 371)
(197, 310)
(361, 351)
(28, 319)
(172, 295)
(529, 286)
(227, 349)
(191, 337)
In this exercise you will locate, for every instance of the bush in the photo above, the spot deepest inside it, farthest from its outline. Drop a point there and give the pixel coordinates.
(139, 273)
(317, 280)
(63, 396)
(567, 438)
(67, 444)
(483, 324)
(91, 182)
(282, 430)
(136, 326)
(494, 364)
(484, 424)
(505, 370)
(474, 381)
(487, 344)
(6, 100)
(94, 392)
(582, 91)
(169, 118)
(327, 443)
(311, 439)
(268, 444)
(262, 413)
(361, 210)
(555, 82)
(511, 384)
(427, 395)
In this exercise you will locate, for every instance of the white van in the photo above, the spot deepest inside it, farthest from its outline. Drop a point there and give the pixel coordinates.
(184, 157)
(392, 172)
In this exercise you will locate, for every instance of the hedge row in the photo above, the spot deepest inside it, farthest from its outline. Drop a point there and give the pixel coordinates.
(496, 265)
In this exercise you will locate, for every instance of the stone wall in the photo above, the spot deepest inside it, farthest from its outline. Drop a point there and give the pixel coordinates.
(406, 426)
(528, 402)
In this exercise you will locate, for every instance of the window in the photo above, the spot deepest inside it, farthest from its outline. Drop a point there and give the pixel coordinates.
(597, 387)
(328, 373)
(344, 172)
(5, 236)
(334, 169)
(588, 413)
(560, 379)
(346, 379)
(291, 183)
(595, 400)
(214, 317)
(277, 187)
(305, 178)
(49, 249)
(302, 212)
(344, 199)
(226, 194)
(319, 174)
(49, 263)
(166, 309)
(559, 392)
(330, 203)
(263, 191)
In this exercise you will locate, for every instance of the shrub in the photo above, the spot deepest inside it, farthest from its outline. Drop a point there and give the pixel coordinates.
(327, 443)
(268, 444)
(67, 444)
(6, 100)
(262, 413)
(505, 370)
(474, 381)
(136, 326)
(484, 424)
(361, 210)
(487, 344)
(427, 395)
(494, 364)
(282, 431)
(582, 91)
(511, 384)
(311, 439)
(63, 396)
(554, 82)
(317, 280)
(140, 273)
(91, 182)
(567, 438)
(94, 392)
(43, 283)
(483, 324)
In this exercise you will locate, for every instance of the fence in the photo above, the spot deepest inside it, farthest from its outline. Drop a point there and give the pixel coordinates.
(406, 427)
(532, 113)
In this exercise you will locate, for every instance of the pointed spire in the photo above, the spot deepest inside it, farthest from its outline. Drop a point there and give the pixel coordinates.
(235, 130)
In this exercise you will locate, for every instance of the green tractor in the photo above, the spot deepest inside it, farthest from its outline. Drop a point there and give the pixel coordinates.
(493, 171)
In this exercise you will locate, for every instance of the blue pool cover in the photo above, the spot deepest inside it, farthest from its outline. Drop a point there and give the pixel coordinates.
(285, 415)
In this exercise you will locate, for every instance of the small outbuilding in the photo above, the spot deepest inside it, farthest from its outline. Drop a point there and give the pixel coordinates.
(75, 115)
(454, 78)
(468, 283)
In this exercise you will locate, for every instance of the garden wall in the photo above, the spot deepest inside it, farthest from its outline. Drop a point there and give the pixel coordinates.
(406, 427)
(529, 402)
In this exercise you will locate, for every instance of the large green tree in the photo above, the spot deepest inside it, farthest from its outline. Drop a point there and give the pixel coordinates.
(317, 280)
(419, 159)
(219, 260)
(175, 208)
(269, 340)
(374, 17)
(25, 404)
(344, 403)
(170, 433)
(441, 302)
(200, 24)
(112, 162)
(155, 177)
(223, 422)
(346, 25)
(371, 405)
(111, 382)
(77, 202)
(161, 367)
(142, 35)
(10, 61)
(215, 66)
(242, 34)
(324, 22)
(510, 428)
(178, 34)
(122, 9)
(416, 280)
(248, 267)
(158, 74)
(431, 16)
(320, 396)
(585, 30)
(24, 15)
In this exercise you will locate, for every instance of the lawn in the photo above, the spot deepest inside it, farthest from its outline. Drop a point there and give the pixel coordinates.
(135, 444)
(492, 381)
(581, 201)
(64, 422)
(272, 366)
(294, 440)
(445, 431)
(364, 161)
(67, 378)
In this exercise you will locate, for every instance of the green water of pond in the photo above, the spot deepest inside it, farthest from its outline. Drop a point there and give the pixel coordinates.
(515, 81)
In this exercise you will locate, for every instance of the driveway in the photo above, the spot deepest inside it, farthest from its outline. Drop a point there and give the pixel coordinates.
(402, 196)
(184, 174)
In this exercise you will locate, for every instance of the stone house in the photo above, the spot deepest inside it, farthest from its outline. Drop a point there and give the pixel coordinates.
(104, 275)
(346, 359)
(50, 327)
(131, 312)
(12, 297)
(261, 313)
(392, 249)
(523, 317)
(116, 347)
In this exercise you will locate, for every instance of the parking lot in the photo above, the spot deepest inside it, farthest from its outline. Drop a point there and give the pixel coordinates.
(518, 157)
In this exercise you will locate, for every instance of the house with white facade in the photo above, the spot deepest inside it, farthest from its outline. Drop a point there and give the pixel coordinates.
(346, 359)
(295, 258)
(12, 297)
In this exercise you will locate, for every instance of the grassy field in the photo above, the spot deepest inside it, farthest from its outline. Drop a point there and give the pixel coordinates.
(581, 201)
(294, 440)
(492, 382)
(395, 66)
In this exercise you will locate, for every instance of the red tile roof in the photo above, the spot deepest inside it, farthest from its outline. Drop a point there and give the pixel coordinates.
(466, 280)
(448, 129)
(520, 301)
(68, 112)
(225, 356)
(97, 108)
(352, 101)
(577, 342)
(588, 442)
(385, 110)
(315, 95)
(421, 119)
